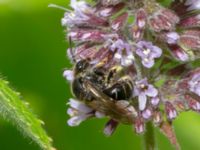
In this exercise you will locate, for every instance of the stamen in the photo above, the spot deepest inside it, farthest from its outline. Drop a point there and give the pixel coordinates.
(146, 51)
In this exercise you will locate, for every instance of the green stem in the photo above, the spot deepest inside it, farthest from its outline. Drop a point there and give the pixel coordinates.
(138, 68)
(149, 137)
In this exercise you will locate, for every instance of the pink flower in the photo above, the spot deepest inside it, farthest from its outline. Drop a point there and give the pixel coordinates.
(123, 52)
(138, 46)
(142, 90)
(147, 51)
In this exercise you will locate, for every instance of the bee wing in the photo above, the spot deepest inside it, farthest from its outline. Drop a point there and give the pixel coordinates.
(100, 96)
(109, 106)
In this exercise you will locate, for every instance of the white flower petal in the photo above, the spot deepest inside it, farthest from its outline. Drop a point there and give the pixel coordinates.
(79, 106)
(105, 12)
(155, 101)
(117, 56)
(99, 114)
(151, 91)
(148, 63)
(126, 62)
(71, 112)
(172, 37)
(76, 120)
(69, 75)
(142, 99)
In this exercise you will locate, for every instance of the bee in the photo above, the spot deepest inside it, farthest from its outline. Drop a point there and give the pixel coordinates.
(120, 89)
(83, 73)
(103, 89)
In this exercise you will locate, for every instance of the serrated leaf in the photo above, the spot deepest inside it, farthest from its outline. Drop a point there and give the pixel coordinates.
(13, 109)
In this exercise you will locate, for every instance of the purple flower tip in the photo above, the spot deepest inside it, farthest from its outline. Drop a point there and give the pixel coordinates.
(110, 127)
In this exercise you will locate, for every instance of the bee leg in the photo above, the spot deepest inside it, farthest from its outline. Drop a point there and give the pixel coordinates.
(113, 72)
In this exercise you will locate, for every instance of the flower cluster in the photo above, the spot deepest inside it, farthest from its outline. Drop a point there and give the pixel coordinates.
(137, 53)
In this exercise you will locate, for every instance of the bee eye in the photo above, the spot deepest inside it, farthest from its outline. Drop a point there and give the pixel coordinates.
(99, 71)
(81, 66)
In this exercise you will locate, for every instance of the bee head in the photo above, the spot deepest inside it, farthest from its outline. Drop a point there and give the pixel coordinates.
(81, 66)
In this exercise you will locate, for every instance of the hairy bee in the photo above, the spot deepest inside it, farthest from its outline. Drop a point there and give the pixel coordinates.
(84, 73)
(104, 90)
(117, 89)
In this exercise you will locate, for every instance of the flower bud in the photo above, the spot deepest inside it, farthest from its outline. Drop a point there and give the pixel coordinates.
(170, 111)
(87, 35)
(190, 22)
(193, 104)
(139, 125)
(119, 22)
(179, 53)
(110, 127)
(163, 19)
(147, 113)
(190, 39)
(157, 118)
(139, 25)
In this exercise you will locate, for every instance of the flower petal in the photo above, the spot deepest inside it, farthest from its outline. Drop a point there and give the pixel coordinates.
(99, 114)
(155, 101)
(156, 52)
(147, 113)
(148, 63)
(76, 120)
(69, 75)
(125, 61)
(142, 99)
(71, 111)
(151, 91)
(79, 106)
(172, 37)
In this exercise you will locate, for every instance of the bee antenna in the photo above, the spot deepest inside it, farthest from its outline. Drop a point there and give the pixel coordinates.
(59, 7)
(70, 49)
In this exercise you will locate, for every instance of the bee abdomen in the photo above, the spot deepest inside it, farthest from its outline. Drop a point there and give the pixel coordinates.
(79, 90)
(120, 91)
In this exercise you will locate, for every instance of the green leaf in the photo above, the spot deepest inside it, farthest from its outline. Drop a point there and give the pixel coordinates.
(168, 66)
(13, 109)
(165, 3)
(196, 63)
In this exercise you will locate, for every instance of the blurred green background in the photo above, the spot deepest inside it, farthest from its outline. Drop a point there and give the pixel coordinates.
(33, 57)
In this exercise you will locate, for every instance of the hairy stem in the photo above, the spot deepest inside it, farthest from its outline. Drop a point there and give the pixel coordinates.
(149, 137)
(138, 68)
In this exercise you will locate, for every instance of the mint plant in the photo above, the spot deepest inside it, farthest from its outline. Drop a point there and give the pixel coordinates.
(133, 63)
